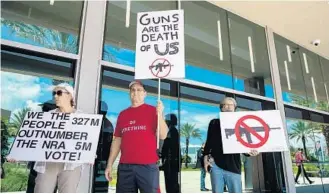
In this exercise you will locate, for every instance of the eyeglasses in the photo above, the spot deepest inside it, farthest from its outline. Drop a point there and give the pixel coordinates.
(137, 90)
(228, 104)
(59, 92)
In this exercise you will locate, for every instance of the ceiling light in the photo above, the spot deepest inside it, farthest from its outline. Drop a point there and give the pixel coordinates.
(52, 2)
(251, 53)
(220, 44)
(287, 75)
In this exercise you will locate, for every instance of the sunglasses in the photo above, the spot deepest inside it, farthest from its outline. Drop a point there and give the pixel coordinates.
(58, 92)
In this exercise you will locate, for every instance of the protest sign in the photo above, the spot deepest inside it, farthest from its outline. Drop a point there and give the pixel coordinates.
(160, 45)
(252, 130)
(57, 137)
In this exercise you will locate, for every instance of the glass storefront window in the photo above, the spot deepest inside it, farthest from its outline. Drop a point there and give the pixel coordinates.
(206, 44)
(325, 69)
(120, 38)
(250, 61)
(313, 79)
(308, 139)
(40, 23)
(291, 74)
(26, 84)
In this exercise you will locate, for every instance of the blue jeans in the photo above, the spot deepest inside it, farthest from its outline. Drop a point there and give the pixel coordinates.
(220, 178)
(202, 179)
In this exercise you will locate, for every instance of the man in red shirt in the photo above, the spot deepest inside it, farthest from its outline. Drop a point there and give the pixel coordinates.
(135, 136)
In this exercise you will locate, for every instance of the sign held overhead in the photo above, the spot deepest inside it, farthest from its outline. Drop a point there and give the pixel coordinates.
(160, 49)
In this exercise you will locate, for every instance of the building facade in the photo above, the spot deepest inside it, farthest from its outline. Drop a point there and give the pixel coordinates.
(91, 45)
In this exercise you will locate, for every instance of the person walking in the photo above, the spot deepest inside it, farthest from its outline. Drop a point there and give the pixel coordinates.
(200, 164)
(300, 158)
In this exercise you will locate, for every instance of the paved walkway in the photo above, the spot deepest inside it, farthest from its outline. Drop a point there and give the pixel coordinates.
(191, 183)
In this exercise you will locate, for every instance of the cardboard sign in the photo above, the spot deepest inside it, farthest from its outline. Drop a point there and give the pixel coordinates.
(252, 130)
(57, 137)
(160, 49)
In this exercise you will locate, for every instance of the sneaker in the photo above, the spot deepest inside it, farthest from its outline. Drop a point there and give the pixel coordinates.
(204, 189)
(311, 182)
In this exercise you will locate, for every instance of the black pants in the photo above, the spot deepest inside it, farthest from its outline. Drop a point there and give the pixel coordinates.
(299, 171)
(134, 177)
(171, 181)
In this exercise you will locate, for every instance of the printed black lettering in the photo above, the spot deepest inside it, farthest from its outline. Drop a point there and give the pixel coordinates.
(64, 155)
(68, 135)
(48, 124)
(61, 125)
(61, 145)
(32, 124)
(23, 143)
(40, 115)
(78, 146)
(48, 154)
(86, 120)
(40, 124)
(73, 156)
(83, 146)
(80, 122)
(76, 135)
(36, 133)
(46, 144)
(74, 121)
(53, 114)
(94, 122)
(57, 156)
(32, 115)
(21, 133)
(51, 135)
(25, 122)
(86, 146)
(84, 135)
(60, 134)
(67, 116)
(33, 143)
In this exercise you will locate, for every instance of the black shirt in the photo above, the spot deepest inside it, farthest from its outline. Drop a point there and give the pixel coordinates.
(214, 147)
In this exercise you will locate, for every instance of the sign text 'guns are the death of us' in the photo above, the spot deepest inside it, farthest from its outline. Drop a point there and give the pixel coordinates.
(160, 51)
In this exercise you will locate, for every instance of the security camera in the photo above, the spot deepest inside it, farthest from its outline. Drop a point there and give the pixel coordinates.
(316, 42)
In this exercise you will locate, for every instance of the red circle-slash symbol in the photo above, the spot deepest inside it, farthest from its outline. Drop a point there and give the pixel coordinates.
(241, 123)
(160, 68)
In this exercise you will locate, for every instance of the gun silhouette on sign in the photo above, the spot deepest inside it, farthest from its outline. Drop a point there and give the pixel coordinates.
(243, 131)
(160, 66)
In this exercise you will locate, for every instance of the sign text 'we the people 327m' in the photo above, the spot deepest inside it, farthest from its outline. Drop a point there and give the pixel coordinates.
(57, 137)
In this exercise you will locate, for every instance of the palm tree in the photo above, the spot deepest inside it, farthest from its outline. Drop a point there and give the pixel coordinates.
(300, 100)
(48, 38)
(17, 121)
(189, 131)
(303, 132)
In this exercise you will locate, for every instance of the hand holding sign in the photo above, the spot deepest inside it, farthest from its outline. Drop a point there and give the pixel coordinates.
(252, 132)
(57, 137)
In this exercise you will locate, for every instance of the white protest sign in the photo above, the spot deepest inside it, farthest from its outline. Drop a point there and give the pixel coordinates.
(160, 49)
(252, 130)
(57, 137)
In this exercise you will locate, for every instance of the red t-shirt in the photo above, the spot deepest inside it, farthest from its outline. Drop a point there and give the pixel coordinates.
(137, 128)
